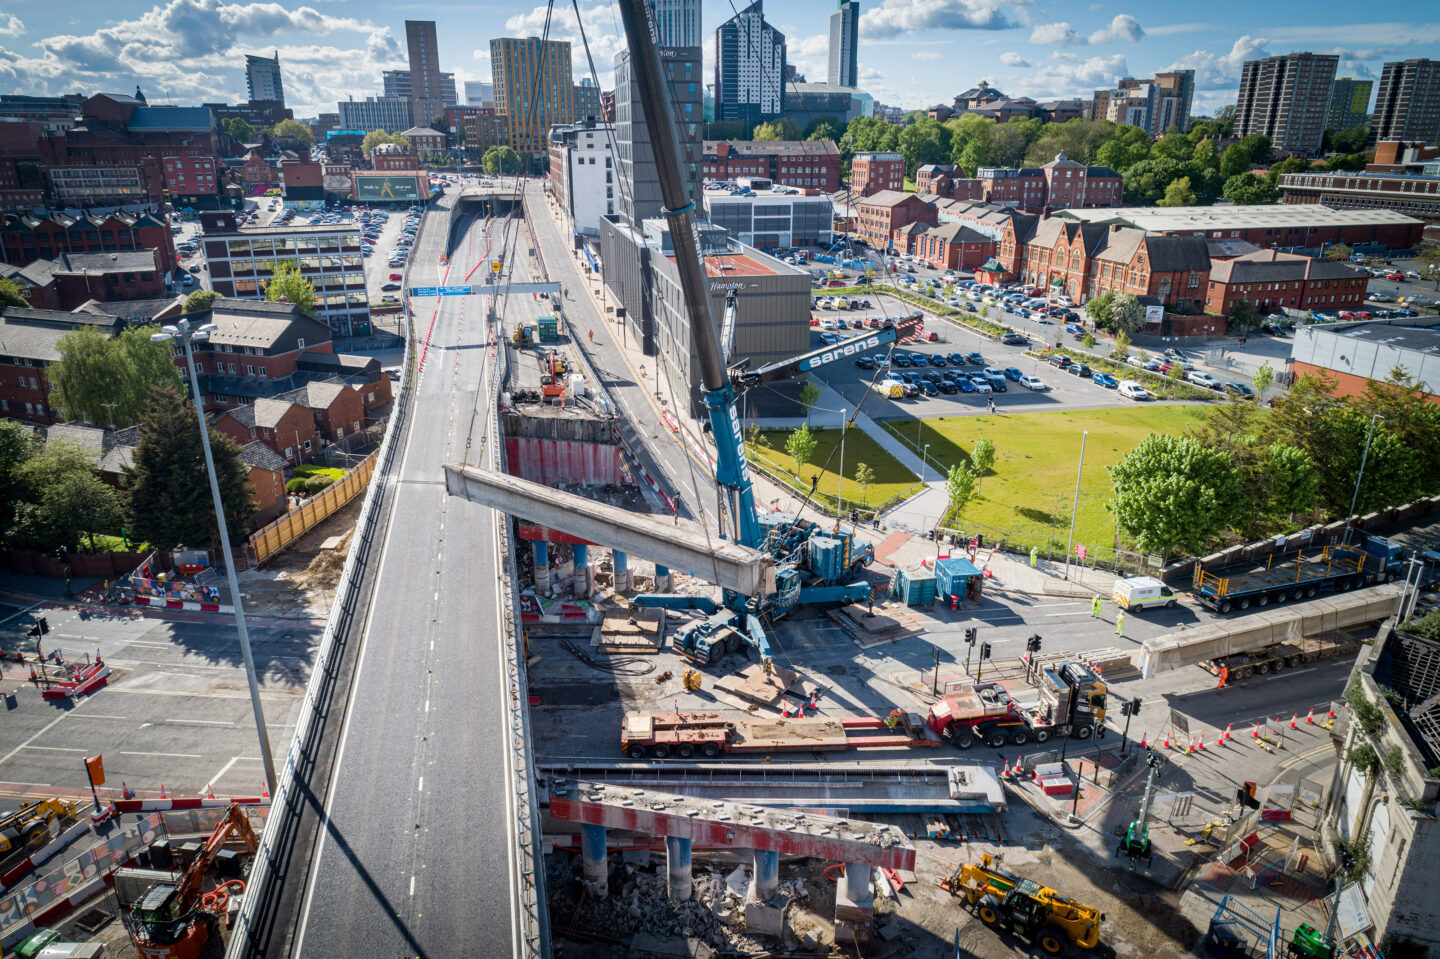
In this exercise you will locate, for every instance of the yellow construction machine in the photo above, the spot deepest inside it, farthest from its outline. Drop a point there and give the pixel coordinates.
(1023, 906)
(29, 825)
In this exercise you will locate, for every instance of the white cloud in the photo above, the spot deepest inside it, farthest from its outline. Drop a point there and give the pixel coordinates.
(1096, 6)
(1216, 71)
(926, 55)
(1014, 60)
(1071, 76)
(1122, 27)
(10, 25)
(894, 17)
(1366, 34)
(1170, 29)
(815, 45)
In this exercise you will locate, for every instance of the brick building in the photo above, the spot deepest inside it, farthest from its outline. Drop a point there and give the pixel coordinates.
(946, 246)
(1271, 281)
(1058, 185)
(283, 426)
(948, 181)
(29, 343)
(80, 277)
(799, 163)
(1412, 194)
(265, 479)
(257, 173)
(424, 140)
(1085, 260)
(35, 282)
(25, 238)
(190, 177)
(22, 179)
(1291, 228)
(879, 215)
(338, 409)
(872, 173)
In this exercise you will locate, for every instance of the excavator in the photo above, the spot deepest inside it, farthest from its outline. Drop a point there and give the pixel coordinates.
(174, 919)
(1023, 906)
(29, 825)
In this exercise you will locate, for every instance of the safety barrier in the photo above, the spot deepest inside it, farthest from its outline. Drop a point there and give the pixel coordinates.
(292, 795)
(269, 540)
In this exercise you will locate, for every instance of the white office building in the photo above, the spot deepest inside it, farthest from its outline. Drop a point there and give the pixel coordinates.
(478, 93)
(589, 187)
(377, 113)
(772, 217)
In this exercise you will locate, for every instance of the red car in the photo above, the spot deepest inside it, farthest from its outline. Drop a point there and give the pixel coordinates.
(1397, 275)
(396, 276)
(1347, 315)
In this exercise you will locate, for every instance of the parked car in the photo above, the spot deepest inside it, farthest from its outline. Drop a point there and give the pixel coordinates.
(981, 384)
(1134, 391)
(975, 358)
(1201, 378)
(955, 359)
(947, 386)
(865, 362)
(390, 287)
(901, 359)
(1239, 389)
(829, 339)
(1033, 383)
(1081, 370)
(1014, 339)
(1104, 379)
(1060, 360)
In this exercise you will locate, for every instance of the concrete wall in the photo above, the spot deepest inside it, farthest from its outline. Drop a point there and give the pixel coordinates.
(554, 450)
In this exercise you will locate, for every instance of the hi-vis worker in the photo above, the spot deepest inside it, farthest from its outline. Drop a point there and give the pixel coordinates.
(1095, 606)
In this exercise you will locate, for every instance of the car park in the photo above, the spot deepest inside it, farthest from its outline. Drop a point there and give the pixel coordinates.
(1132, 390)
(1033, 383)
(1104, 379)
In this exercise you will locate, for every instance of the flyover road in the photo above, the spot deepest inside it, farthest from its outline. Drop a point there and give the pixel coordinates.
(413, 858)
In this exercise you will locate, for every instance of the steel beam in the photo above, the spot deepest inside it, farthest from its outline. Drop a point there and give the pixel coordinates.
(679, 545)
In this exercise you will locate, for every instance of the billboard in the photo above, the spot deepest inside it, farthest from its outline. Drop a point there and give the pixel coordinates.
(380, 187)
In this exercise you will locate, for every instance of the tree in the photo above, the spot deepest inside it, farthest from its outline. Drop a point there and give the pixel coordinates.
(1099, 310)
(1352, 140)
(1257, 147)
(809, 395)
(1087, 340)
(1172, 493)
(501, 159)
(1178, 193)
(1122, 345)
(1243, 317)
(239, 128)
(1234, 161)
(1263, 379)
(1127, 147)
(1247, 189)
(10, 294)
(1146, 181)
(1204, 156)
(1289, 483)
(924, 141)
(982, 456)
(376, 137)
(296, 129)
(825, 128)
(288, 285)
(66, 498)
(783, 128)
(1287, 165)
(17, 445)
(170, 501)
(1409, 416)
(800, 444)
(1127, 313)
(1431, 271)
(200, 300)
(1338, 251)
(960, 486)
(864, 475)
(106, 380)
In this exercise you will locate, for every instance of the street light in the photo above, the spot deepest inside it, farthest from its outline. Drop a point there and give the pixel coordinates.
(840, 490)
(1075, 508)
(183, 332)
(1354, 497)
(924, 455)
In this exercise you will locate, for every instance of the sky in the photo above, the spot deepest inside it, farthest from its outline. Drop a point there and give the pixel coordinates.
(913, 53)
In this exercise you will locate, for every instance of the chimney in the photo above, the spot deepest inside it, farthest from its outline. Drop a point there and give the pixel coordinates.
(1116, 227)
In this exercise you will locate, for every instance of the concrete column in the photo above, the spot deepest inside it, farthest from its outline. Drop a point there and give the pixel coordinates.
(662, 578)
(857, 885)
(677, 863)
(542, 565)
(854, 906)
(594, 869)
(767, 874)
(581, 579)
(622, 570)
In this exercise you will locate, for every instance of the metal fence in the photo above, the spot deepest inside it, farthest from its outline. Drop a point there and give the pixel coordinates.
(269, 540)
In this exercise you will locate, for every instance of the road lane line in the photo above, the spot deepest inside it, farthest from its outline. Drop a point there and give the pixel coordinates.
(166, 755)
(412, 885)
(55, 749)
(201, 722)
(420, 787)
(96, 716)
(48, 726)
(223, 770)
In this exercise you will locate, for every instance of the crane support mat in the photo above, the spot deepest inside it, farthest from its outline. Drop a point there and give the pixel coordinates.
(891, 622)
(637, 631)
(754, 685)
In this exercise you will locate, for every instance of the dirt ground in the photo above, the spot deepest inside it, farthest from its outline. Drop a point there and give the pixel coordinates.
(1141, 919)
(300, 581)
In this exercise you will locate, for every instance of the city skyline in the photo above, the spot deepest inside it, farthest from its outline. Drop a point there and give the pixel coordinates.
(192, 51)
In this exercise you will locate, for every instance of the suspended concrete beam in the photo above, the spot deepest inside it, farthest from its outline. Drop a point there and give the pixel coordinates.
(681, 545)
(1277, 624)
(740, 825)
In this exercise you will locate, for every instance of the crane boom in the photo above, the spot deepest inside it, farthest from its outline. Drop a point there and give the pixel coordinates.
(805, 362)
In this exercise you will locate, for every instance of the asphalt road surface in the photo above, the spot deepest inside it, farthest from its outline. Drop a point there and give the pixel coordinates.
(413, 858)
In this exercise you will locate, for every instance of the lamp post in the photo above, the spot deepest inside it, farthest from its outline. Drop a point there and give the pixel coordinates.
(840, 490)
(924, 457)
(1075, 507)
(1355, 497)
(185, 333)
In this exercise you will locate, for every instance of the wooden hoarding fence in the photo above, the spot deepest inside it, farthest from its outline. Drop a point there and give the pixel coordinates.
(269, 540)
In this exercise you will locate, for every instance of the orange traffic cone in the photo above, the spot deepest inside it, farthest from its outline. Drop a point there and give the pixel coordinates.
(1293, 718)
(1006, 771)
(124, 790)
(162, 792)
(1331, 714)
(1019, 766)
(1143, 743)
(1226, 734)
(1256, 733)
(264, 789)
(1310, 717)
(1166, 743)
(1201, 746)
(1190, 748)
(209, 791)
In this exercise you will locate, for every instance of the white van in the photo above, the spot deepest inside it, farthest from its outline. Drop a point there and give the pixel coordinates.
(890, 389)
(1142, 592)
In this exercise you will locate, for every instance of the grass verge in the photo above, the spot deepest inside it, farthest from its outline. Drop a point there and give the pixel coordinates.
(892, 480)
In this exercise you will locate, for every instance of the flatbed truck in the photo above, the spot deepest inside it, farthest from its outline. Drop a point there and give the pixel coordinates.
(1299, 574)
(1275, 657)
(1072, 703)
(710, 735)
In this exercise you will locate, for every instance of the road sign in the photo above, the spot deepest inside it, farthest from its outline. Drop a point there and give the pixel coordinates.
(424, 291)
(441, 290)
(495, 266)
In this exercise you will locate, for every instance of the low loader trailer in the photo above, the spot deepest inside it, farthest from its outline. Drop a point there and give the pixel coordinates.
(1299, 575)
(710, 735)
(1276, 657)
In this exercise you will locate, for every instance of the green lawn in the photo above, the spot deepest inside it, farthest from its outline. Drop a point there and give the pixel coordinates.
(307, 470)
(1030, 489)
(891, 479)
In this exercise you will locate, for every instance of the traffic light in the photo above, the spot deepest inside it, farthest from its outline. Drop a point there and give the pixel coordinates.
(34, 631)
(984, 650)
(971, 634)
(44, 625)
(1033, 643)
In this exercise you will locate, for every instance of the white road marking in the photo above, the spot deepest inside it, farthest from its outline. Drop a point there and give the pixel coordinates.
(427, 705)
(421, 786)
(412, 885)
(48, 726)
(200, 722)
(223, 770)
(55, 749)
(166, 755)
(97, 716)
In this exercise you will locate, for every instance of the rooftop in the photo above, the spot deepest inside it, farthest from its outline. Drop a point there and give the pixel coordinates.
(735, 264)
(129, 261)
(1271, 216)
(886, 198)
(1396, 335)
(1271, 266)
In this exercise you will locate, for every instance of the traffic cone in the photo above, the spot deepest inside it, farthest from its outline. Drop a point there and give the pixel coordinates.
(1006, 771)
(1143, 743)
(209, 791)
(1166, 743)
(1255, 734)
(1310, 717)
(1330, 715)
(1220, 738)
(1293, 718)
(162, 792)
(124, 790)
(1019, 766)
(785, 710)
(1201, 746)
(264, 789)
(1191, 747)
(1226, 734)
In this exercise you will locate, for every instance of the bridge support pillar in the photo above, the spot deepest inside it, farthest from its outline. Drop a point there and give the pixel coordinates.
(854, 906)
(594, 870)
(662, 578)
(621, 563)
(582, 580)
(542, 566)
(677, 864)
(767, 875)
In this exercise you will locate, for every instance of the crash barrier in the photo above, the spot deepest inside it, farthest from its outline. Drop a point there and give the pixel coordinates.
(269, 540)
(293, 792)
(1316, 617)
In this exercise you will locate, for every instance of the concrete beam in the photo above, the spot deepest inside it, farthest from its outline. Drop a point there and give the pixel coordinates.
(681, 545)
(1275, 624)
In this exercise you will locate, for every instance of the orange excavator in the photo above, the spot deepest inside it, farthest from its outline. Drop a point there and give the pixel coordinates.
(174, 919)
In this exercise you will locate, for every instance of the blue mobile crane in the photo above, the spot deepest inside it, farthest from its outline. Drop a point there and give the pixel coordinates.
(813, 563)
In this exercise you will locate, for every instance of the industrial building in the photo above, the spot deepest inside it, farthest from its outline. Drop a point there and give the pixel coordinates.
(771, 217)
(1303, 228)
(1352, 354)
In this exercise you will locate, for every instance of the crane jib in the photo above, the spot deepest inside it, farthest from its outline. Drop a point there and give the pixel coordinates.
(841, 351)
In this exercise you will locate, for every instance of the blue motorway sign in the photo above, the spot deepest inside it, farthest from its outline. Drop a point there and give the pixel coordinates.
(440, 291)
